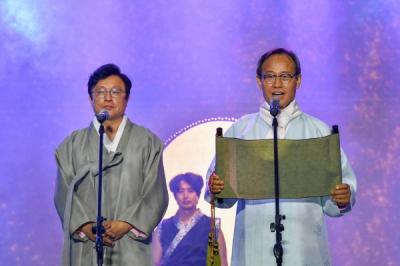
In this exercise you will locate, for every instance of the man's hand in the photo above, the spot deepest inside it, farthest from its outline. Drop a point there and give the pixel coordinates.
(115, 230)
(215, 184)
(87, 230)
(341, 195)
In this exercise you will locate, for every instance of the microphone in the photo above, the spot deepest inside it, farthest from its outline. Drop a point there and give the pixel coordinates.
(274, 108)
(102, 116)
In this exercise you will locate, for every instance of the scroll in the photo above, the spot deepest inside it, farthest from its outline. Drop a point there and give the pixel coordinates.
(307, 167)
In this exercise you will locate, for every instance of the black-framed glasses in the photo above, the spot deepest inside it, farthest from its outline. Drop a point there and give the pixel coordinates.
(284, 77)
(114, 92)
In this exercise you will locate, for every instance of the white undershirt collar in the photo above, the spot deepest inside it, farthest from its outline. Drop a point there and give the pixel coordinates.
(284, 117)
(111, 146)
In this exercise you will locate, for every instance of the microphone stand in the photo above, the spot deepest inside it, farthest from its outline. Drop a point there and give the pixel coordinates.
(277, 226)
(99, 228)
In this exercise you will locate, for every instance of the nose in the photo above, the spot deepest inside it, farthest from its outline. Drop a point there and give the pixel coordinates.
(107, 96)
(277, 82)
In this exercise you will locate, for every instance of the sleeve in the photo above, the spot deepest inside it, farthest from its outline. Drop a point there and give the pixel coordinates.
(149, 209)
(348, 177)
(79, 212)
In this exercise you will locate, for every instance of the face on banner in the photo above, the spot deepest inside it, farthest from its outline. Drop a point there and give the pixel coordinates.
(186, 197)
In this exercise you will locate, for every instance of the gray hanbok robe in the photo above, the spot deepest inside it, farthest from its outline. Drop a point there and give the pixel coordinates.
(134, 191)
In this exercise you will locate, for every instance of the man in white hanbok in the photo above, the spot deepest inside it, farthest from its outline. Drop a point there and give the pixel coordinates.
(304, 237)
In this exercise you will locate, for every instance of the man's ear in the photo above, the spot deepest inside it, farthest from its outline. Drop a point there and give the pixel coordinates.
(298, 82)
(91, 100)
(259, 82)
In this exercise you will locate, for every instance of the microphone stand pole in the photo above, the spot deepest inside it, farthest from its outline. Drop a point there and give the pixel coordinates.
(277, 226)
(99, 228)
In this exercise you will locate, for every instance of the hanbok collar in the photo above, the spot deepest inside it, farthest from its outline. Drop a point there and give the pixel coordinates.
(111, 145)
(183, 230)
(284, 117)
(189, 224)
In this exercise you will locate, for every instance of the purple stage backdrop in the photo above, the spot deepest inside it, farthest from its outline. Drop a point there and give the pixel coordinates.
(191, 60)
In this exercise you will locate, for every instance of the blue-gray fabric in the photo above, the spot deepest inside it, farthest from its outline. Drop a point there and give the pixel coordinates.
(134, 191)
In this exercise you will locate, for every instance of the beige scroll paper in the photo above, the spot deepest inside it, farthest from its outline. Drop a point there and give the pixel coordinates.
(307, 168)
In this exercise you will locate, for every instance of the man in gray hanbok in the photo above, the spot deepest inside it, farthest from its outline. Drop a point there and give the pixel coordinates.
(134, 190)
(304, 238)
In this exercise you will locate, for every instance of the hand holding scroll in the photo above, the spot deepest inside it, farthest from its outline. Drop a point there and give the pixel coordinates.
(215, 184)
(341, 195)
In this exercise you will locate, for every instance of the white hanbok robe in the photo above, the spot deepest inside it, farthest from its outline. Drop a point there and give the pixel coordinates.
(304, 237)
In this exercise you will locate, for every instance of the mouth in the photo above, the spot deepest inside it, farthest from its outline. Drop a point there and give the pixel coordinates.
(277, 93)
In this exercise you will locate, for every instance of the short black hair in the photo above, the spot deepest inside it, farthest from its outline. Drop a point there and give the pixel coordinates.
(104, 72)
(194, 180)
(270, 53)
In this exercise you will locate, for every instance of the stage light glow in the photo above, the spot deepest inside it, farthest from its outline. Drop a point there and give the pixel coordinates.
(23, 17)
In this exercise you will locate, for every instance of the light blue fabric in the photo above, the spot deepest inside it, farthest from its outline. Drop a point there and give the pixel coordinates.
(304, 238)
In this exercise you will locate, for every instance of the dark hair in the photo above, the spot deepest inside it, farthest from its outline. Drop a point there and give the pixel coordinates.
(104, 72)
(270, 53)
(195, 181)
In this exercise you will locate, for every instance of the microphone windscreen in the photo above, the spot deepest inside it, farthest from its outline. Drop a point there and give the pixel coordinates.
(102, 116)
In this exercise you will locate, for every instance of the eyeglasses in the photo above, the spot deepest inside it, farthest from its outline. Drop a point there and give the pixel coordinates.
(114, 92)
(284, 77)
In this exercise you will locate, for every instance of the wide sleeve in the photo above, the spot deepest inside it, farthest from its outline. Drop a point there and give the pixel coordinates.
(78, 212)
(348, 177)
(145, 214)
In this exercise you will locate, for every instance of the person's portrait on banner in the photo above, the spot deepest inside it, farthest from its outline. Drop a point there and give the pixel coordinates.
(183, 238)
(134, 190)
(304, 238)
